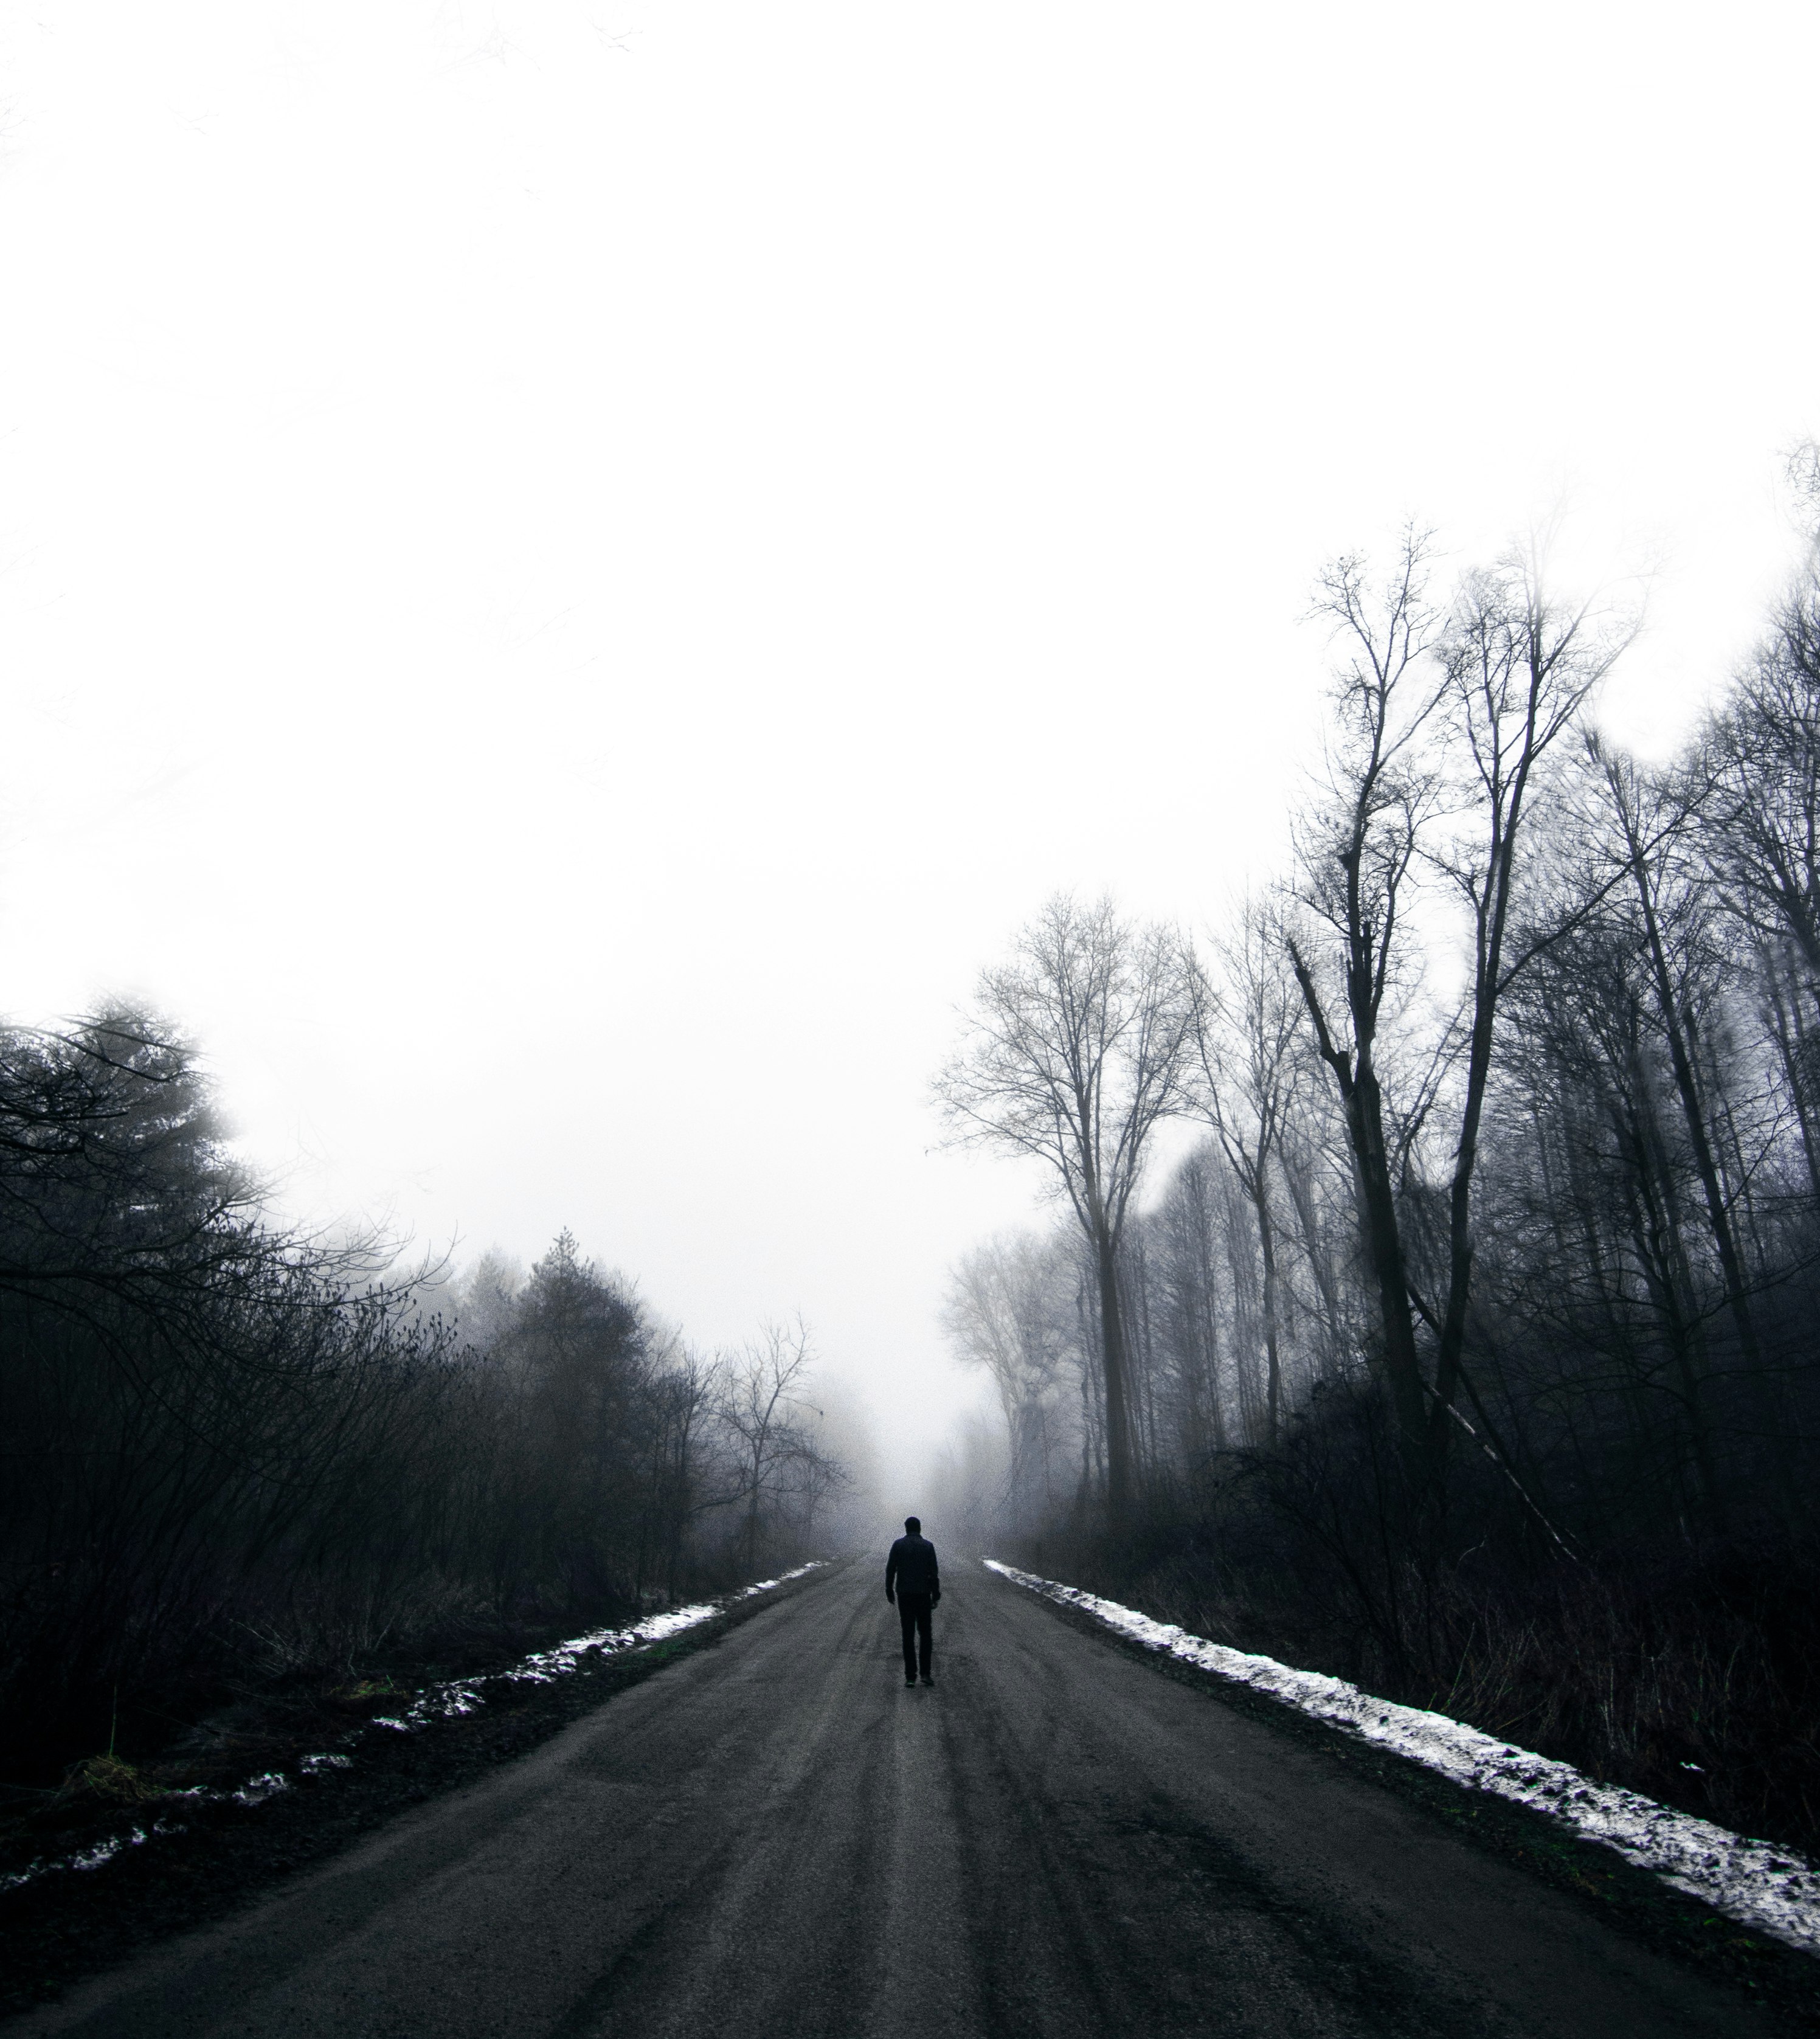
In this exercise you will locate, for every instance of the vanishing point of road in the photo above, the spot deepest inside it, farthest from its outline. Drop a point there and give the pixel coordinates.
(772, 1838)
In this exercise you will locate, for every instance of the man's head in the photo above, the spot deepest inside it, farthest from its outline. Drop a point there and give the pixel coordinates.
(914, 1524)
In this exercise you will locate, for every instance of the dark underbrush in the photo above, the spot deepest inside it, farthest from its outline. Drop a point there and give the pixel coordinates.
(225, 1717)
(254, 1687)
(1690, 1674)
(74, 1922)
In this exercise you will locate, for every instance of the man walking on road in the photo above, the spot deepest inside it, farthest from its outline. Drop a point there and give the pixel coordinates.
(910, 1570)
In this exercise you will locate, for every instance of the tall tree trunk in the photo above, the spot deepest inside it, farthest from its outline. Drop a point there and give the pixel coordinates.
(1320, 1265)
(1207, 1318)
(1267, 1249)
(1791, 1042)
(1687, 1089)
(1119, 1482)
(1383, 1248)
(1661, 1255)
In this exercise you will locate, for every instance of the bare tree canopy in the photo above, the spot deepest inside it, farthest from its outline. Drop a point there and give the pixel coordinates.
(762, 1402)
(1446, 720)
(1075, 1051)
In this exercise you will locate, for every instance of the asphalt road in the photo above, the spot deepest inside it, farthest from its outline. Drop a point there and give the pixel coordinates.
(774, 1837)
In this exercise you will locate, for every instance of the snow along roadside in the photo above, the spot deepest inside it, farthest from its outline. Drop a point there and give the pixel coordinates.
(1773, 1889)
(463, 1695)
(434, 1703)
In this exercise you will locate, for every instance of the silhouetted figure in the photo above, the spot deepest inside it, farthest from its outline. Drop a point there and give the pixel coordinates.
(910, 1570)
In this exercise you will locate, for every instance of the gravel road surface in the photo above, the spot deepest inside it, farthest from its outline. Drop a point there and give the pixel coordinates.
(774, 1837)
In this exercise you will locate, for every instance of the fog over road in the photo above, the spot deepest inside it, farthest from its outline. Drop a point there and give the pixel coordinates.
(773, 1836)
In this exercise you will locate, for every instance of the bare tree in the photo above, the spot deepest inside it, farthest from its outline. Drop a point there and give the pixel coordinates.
(1651, 824)
(1357, 850)
(1076, 1050)
(685, 1394)
(761, 1398)
(1520, 667)
(1444, 723)
(1186, 1308)
(1761, 757)
(1007, 1310)
(1247, 1046)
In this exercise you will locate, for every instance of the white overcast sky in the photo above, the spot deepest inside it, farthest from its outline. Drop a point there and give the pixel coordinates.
(568, 572)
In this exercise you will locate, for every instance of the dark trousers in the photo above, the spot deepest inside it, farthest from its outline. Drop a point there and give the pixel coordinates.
(913, 1611)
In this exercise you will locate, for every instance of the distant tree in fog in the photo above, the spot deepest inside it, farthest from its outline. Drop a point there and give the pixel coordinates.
(484, 1299)
(761, 1402)
(688, 1392)
(577, 1364)
(1010, 1309)
(1076, 1050)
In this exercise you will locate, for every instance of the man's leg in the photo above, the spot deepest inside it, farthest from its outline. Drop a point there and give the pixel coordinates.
(922, 1632)
(907, 1615)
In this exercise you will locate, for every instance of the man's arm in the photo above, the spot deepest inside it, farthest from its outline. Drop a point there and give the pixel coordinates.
(891, 1572)
(934, 1577)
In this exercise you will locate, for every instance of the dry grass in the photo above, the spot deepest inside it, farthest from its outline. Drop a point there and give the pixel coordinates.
(109, 1779)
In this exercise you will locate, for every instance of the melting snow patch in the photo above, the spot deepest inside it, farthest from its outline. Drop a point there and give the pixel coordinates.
(550, 1665)
(1771, 1889)
(106, 1851)
(88, 1857)
(783, 1578)
(437, 1703)
(566, 1657)
(255, 1791)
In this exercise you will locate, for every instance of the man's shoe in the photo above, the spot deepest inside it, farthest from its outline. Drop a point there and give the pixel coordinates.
(927, 1679)
(910, 1684)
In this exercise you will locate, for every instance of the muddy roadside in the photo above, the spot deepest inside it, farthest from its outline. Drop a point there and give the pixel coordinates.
(216, 1830)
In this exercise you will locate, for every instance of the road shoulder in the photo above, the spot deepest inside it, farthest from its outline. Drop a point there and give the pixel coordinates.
(72, 1923)
(1630, 1900)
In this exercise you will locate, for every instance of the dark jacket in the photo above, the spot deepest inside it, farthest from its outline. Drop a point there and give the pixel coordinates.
(911, 1567)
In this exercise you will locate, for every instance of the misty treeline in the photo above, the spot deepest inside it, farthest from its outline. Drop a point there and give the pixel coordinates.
(1463, 1340)
(230, 1450)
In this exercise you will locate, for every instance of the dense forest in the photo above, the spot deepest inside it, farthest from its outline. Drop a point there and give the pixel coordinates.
(232, 1452)
(1433, 1294)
